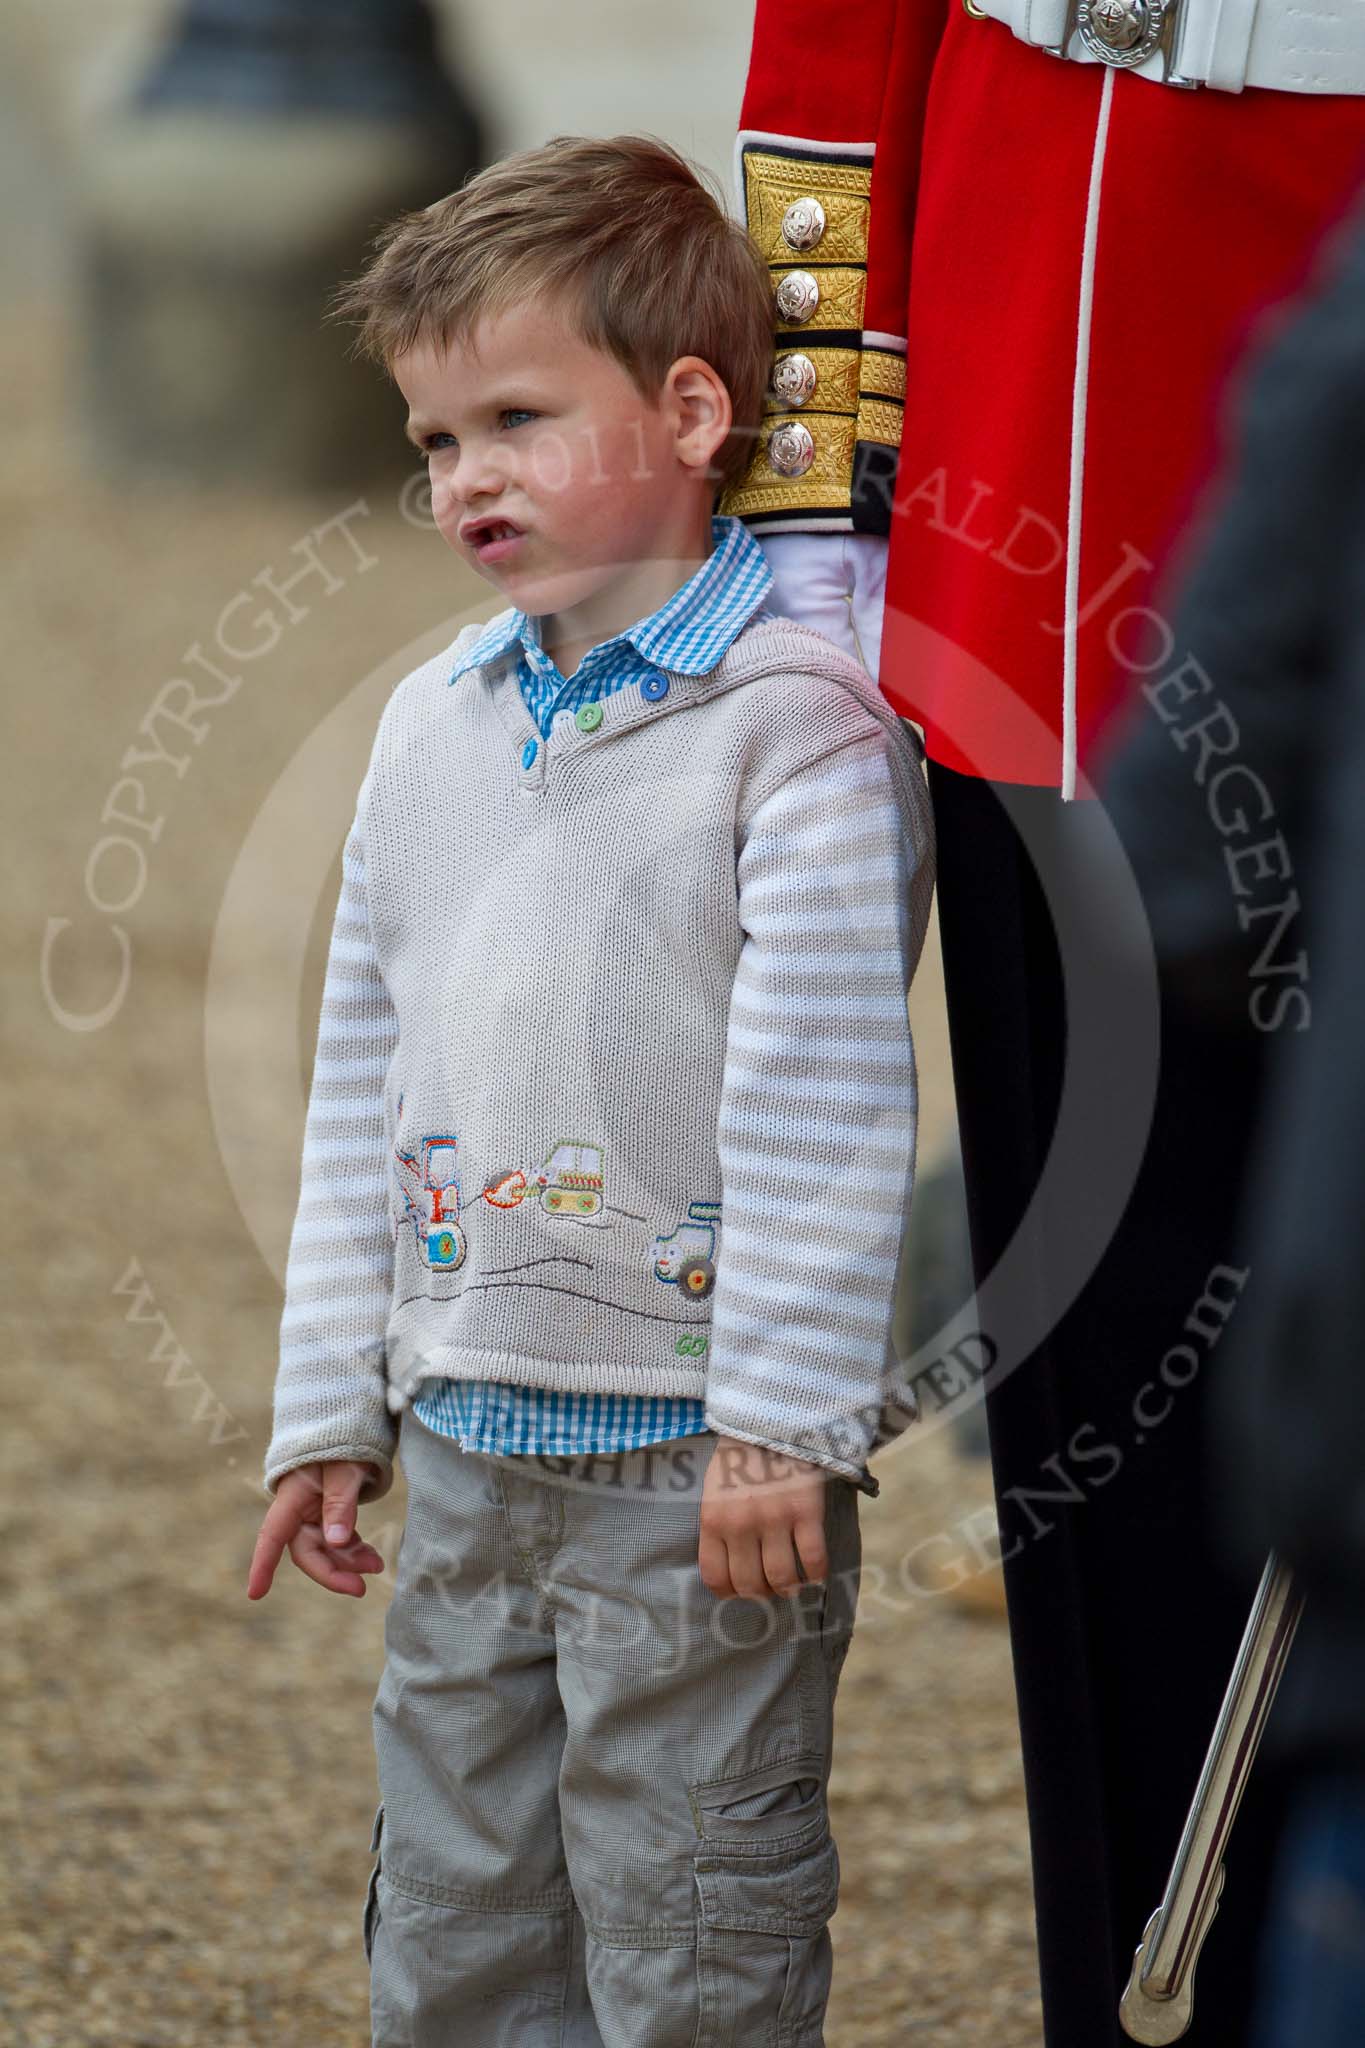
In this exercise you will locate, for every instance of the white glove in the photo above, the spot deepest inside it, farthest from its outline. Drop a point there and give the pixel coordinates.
(835, 582)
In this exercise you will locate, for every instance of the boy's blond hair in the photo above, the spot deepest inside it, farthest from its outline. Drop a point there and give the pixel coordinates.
(623, 231)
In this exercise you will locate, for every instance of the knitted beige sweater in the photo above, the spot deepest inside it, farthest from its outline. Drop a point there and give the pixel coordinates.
(615, 1086)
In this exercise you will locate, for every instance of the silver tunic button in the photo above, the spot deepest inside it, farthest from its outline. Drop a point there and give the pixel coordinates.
(793, 378)
(798, 295)
(791, 449)
(803, 224)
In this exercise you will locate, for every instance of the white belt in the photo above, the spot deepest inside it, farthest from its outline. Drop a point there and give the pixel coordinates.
(1288, 45)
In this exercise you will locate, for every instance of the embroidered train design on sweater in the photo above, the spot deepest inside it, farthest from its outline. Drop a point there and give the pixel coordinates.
(571, 1186)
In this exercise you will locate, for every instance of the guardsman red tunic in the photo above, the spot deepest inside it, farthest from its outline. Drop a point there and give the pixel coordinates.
(996, 259)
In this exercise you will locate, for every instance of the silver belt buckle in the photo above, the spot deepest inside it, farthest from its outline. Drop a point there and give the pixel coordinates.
(1126, 33)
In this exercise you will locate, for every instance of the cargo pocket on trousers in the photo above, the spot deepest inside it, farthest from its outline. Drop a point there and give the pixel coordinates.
(764, 1955)
(371, 1907)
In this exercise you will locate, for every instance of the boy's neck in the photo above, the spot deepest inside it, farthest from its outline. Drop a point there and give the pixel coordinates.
(568, 635)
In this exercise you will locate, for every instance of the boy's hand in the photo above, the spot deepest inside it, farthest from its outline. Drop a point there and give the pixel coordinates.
(310, 1503)
(761, 1511)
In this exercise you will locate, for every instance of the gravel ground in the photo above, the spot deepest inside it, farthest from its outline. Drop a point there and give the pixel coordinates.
(188, 1777)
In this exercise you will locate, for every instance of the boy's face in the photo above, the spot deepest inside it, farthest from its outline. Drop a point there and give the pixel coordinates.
(529, 427)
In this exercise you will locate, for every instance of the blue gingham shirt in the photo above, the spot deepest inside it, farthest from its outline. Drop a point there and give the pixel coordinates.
(688, 633)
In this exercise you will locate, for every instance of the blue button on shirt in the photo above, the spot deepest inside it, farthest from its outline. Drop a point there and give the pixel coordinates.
(689, 633)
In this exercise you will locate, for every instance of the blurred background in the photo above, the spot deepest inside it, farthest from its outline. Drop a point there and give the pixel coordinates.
(217, 562)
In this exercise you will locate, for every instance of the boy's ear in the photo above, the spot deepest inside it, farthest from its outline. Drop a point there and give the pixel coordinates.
(704, 412)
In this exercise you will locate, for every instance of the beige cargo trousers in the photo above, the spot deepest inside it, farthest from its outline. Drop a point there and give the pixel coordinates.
(602, 1818)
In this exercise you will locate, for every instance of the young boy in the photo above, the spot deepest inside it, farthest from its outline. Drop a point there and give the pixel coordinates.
(608, 1152)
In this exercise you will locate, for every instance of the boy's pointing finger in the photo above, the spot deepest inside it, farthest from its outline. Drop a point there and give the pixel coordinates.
(284, 1518)
(271, 1544)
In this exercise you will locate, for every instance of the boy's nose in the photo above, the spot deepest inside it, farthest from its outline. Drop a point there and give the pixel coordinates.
(475, 483)
(456, 500)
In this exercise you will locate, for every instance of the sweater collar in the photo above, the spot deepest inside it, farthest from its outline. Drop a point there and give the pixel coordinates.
(687, 634)
(767, 645)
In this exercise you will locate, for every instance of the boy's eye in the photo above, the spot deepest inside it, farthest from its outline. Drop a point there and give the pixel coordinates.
(432, 443)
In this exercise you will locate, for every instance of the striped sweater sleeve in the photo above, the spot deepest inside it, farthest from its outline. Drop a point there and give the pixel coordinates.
(817, 1119)
(330, 1389)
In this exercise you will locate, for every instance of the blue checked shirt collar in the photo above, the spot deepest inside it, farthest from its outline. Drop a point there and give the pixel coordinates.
(688, 633)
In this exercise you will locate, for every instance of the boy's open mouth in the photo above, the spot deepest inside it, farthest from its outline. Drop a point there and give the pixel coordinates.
(491, 539)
